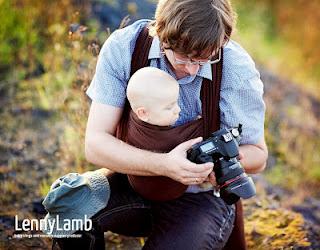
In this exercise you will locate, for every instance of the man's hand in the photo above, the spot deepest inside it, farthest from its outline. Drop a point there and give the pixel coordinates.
(179, 168)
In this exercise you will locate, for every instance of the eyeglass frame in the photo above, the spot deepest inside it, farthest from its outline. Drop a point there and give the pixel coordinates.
(182, 62)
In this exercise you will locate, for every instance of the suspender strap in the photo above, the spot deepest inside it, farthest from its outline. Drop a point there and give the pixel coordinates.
(210, 93)
(141, 51)
(138, 61)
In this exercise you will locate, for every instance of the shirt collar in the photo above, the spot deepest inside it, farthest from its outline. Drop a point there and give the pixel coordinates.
(154, 53)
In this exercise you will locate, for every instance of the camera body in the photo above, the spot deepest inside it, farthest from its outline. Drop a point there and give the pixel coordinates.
(222, 148)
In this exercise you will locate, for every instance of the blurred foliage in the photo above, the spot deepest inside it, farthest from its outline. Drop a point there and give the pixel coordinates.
(293, 142)
(28, 28)
(277, 229)
(49, 49)
(284, 36)
(48, 55)
(48, 62)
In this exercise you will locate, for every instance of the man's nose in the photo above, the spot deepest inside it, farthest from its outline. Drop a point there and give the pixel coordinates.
(192, 69)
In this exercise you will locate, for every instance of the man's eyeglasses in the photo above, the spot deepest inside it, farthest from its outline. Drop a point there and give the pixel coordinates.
(192, 61)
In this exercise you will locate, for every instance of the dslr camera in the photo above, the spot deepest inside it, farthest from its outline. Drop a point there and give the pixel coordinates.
(222, 148)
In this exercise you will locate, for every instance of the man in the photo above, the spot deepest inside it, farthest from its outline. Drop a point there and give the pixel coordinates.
(188, 37)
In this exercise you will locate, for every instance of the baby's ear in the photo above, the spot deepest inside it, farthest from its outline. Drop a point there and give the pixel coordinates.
(142, 114)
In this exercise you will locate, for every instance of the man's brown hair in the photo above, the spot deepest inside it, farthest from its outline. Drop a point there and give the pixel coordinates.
(193, 27)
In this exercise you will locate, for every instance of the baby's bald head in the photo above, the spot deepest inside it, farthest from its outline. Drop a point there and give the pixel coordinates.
(149, 88)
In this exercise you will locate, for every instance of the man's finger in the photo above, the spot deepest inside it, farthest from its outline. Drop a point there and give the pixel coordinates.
(188, 144)
(200, 168)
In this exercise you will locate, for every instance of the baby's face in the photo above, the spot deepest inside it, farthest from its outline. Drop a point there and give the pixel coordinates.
(165, 111)
(153, 95)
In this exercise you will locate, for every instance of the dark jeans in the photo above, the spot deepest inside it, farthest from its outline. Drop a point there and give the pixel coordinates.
(193, 221)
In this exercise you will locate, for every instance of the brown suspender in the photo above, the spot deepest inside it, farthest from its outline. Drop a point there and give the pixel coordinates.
(139, 60)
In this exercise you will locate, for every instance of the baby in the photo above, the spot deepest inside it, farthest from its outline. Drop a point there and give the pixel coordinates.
(153, 96)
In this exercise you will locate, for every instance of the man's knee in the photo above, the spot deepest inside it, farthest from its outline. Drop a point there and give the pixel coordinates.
(209, 233)
(200, 230)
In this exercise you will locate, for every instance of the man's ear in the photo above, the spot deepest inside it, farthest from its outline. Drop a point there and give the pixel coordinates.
(142, 114)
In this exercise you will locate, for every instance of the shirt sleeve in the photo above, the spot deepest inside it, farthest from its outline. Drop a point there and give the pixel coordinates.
(241, 100)
(109, 83)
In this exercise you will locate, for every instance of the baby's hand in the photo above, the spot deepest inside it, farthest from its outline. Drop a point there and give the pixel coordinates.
(210, 181)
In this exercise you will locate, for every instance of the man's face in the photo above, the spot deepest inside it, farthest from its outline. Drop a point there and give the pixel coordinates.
(184, 65)
(181, 70)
